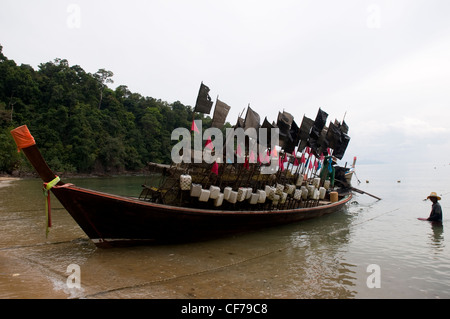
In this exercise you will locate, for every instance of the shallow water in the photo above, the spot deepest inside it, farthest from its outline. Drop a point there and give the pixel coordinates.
(328, 257)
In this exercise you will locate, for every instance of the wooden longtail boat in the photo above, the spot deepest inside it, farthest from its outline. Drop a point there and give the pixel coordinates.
(111, 220)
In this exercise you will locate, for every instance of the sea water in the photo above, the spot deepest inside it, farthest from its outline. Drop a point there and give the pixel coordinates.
(370, 249)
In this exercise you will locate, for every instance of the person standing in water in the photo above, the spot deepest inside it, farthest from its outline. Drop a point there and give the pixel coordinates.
(436, 209)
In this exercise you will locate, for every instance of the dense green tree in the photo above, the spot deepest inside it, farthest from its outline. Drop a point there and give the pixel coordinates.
(79, 123)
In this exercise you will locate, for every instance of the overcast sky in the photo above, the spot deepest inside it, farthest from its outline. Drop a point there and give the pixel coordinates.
(385, 64)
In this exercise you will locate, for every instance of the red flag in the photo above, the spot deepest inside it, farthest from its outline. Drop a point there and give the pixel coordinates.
(239, 150)
(303, 160)
(252, 157)
(209, 143)
(274, 153)
(267, 158)
(194, 127)
(246, 164)
(215, 168)
(310, 164)
(295, 158)
(281, 164)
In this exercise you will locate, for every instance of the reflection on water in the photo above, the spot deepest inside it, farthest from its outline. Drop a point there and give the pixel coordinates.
(437, 235)
(326, 257)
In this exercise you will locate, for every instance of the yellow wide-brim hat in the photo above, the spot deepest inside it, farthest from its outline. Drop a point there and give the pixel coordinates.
(433, 194)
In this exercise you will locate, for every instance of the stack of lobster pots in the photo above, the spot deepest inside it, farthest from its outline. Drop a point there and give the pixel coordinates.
(302, 191)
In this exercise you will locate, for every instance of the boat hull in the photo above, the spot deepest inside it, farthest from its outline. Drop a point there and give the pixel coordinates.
(111, 220)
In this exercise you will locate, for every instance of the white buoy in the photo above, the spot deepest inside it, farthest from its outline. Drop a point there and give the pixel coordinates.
(322, 192)
(254, 198)
(262, 196)
(204, 195)
(196, 190)
(233, 197)
(219, 200)
(249, 192)
(227, 192)
(214, 192)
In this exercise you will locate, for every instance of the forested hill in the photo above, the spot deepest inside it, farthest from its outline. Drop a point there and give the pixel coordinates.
(79, 123)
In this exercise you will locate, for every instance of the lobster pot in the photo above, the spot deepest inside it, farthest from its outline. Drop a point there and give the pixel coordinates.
(214, 192)
(249, 193)
(271, 194)
(254, 198)
(334, 197)
(322, 192)
(326, 184)
(311, 189)
(279, 189)
(262, 196)
(299, 180)
(305, 193)
(233, 197)
(196, 190)
(242, 193)
(227, 192)
(298, 194)
(289, 189)
(219, 200)
(276, 199)
(283, 198)
(316, 182)
(185, 182)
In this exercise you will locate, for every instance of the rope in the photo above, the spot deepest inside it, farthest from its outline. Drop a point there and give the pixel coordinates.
(46, 188)
(213, 269)
(185, 275)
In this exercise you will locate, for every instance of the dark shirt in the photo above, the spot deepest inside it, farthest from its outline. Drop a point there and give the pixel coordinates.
(436, 212)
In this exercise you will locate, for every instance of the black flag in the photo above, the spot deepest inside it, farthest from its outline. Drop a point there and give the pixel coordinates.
(317, 128)
(283, 123)
(204, 103)
(305, 129)
(293, 138)
(252, 119)
(342, 147)
(334, 136)
(266, 125)
(220, 114)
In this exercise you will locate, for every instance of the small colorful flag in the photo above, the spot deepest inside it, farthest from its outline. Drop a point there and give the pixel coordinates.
(252, 157)
(246, 164)
(215, 168)
(194, 127)
(239, 150)
(209, 143)
(303, 159)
